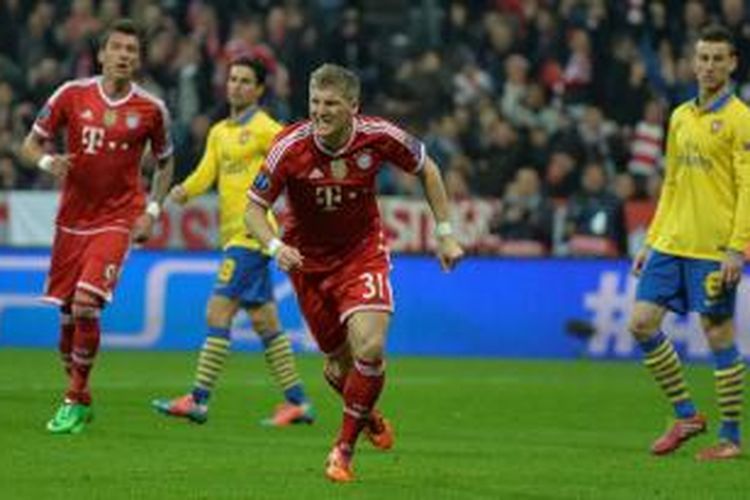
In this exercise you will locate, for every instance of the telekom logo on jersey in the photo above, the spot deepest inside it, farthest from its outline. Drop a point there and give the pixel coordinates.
(328, 197)
(92, 139)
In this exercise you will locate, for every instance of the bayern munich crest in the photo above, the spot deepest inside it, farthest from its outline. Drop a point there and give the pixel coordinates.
(132, 120)
(364, 161)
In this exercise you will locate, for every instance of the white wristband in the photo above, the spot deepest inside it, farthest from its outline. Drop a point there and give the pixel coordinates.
(45, 163)
(274, 246)
(443, 229)
(153, 209)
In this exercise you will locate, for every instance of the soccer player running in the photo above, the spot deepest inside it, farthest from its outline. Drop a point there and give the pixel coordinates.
(334, 247)
(693, 259)
(109, 120)
(235, 150)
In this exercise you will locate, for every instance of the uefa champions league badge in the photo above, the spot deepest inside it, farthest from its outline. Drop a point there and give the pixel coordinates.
(132, 120)
(110, 117)
(262, 182)
(339, 169)
(364, 161)
(44, 113)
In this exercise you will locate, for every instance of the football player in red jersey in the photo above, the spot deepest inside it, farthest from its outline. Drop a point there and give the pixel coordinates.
(333, 245)
(109, 120)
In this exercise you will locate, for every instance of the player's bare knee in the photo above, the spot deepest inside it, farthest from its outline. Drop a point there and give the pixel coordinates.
(264, 319)
(369, 347)
(86, 305)
(219, 314)
(719, 332)
(642, 326)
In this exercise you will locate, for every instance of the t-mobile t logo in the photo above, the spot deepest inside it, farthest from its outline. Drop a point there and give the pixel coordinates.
(92, 139)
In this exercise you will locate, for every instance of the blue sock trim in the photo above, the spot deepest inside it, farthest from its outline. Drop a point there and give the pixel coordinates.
(652, 343)
(295, 395)
(268, 337)
(684, 408)
(219, 331)
(730, 431)
(726, 357)
(201, 396)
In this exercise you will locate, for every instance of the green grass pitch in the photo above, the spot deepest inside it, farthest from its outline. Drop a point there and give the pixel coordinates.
(466, 429)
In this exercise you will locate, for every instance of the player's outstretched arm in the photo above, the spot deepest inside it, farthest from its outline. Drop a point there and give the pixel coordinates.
(160, 182)
(449, 251)
(257, 224)
(32, 151)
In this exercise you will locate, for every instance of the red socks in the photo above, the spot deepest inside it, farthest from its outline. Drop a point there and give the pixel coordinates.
(361, 391)
(85, 346)
(65, 345)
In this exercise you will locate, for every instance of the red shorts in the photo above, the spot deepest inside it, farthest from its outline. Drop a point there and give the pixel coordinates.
(90, 261)
(328, 299)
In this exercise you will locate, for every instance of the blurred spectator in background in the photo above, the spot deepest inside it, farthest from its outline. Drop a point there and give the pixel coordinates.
(647, 144)
(498, 85)
(504, 153)
(525, 223)
(594, 220)
(624, 187)
(8, 171)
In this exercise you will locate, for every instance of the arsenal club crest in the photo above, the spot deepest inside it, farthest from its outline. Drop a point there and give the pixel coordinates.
(716, 126)
(338, 169)
(244, 137)
(132, 120)
(110, 118)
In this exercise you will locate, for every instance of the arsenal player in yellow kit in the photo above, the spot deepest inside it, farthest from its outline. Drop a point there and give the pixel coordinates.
(693, 260)
(235, 149)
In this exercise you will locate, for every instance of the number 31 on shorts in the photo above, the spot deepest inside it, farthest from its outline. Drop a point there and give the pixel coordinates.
(376, 286)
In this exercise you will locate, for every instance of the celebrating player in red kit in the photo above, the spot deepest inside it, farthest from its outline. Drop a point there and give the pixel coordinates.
(108, 120)
(334, 247)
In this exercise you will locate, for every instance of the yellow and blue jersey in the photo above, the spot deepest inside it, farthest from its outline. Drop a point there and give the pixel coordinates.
(704, 208)
(235, 151)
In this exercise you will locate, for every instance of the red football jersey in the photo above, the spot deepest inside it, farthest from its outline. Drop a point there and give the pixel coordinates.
(107, 137)
(331, 202)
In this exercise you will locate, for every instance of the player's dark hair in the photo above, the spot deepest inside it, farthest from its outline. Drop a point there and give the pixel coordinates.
(126, 26)
(254, 64)
(717, 33)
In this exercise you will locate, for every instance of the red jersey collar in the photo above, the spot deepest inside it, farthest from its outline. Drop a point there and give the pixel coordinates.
(322, 147)
(110, 102)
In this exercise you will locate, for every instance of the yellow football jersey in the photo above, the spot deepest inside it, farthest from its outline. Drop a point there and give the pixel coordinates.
(235, 151)
(704, 208)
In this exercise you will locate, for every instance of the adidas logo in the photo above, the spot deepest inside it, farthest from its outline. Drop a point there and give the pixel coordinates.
(315, 174)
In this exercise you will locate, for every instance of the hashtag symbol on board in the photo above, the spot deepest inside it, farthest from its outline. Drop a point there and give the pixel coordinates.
(610, 306)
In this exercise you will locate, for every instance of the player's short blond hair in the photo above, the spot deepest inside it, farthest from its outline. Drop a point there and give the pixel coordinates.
(338, 77)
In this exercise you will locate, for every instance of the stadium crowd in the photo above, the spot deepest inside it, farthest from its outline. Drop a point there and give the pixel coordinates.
(537, 103)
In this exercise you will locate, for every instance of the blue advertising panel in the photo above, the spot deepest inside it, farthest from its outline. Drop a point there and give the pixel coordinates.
(487, 307)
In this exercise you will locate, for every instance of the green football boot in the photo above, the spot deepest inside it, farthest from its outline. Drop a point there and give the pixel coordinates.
(71, 418)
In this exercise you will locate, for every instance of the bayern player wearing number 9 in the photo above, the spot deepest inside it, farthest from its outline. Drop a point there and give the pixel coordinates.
(109, 120)
(333, 246)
